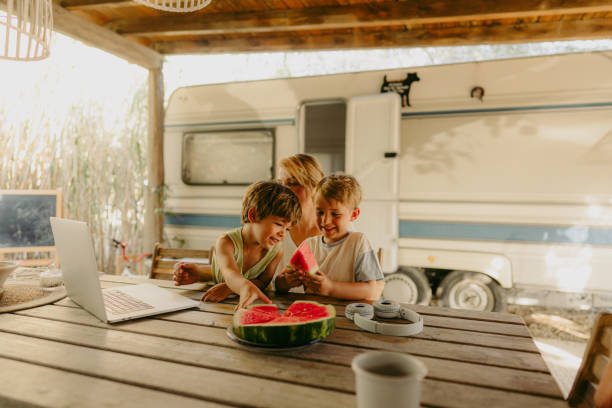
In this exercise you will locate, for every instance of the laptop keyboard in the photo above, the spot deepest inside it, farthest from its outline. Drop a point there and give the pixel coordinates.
(118, 302)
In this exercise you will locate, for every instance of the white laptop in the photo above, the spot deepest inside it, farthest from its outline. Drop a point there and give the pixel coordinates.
(111, 305)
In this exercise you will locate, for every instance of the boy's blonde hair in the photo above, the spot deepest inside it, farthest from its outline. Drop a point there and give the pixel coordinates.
(343, 188)
(271, 198)
(305, 168)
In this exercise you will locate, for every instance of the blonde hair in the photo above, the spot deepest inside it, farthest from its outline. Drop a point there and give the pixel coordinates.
(305, 168)
(343, 188)
(271, 198)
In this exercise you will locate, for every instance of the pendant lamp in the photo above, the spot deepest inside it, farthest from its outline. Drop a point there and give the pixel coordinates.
(25, 30)
(181, 6)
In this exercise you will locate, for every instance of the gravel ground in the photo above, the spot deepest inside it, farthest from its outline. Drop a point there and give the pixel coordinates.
(561, 334)
(556, 323)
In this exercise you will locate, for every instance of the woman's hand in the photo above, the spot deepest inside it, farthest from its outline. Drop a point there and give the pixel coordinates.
(317, 283)
(217, 293)
(185, 273)
(250, 293)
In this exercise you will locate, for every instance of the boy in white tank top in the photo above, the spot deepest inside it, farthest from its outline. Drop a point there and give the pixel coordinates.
(246, 258)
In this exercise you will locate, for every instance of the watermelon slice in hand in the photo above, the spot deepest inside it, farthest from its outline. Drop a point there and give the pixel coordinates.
(304, 260)
(302, 323)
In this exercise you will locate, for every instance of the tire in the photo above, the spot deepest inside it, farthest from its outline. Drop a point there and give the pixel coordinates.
(408, 285)
(472, 291)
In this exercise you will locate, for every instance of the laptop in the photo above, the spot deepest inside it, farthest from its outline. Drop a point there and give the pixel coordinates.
(111, 305)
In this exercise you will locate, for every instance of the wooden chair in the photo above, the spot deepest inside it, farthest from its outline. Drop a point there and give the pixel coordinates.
(164, 259)
(594, 363)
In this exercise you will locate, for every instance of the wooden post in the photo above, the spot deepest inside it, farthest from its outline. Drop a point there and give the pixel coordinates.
(154, 220)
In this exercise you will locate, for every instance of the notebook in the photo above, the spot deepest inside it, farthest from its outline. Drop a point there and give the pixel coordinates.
(81, 278)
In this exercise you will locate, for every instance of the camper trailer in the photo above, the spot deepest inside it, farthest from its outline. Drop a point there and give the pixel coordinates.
(477, 177)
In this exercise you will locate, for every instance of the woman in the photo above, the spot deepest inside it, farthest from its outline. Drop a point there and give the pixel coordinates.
(301, 173)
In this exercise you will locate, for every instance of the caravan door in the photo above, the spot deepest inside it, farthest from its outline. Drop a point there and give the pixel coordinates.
(372, 156)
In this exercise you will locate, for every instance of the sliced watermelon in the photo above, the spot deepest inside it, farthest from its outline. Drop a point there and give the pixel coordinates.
(261, 314)
(303, 322)
(304, 260)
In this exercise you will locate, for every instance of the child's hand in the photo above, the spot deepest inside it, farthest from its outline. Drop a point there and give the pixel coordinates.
(250, 293)
(292, 276)
(185, 273)
(317, 283)
(217, 293)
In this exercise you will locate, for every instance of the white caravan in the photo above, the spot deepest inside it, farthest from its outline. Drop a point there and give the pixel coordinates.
(497, 175)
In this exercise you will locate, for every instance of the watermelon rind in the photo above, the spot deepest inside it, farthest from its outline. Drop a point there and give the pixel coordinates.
(313, 270)
(286, 333)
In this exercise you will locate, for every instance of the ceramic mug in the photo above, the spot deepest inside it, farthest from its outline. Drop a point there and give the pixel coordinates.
(388, 379)
(6, 268)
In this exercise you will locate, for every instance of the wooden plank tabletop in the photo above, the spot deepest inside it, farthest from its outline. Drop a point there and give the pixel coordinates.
(60, 355)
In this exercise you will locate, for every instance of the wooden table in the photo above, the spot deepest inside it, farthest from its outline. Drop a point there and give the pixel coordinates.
(59, 355)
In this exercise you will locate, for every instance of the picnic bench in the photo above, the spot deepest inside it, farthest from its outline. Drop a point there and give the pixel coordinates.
(60, 355)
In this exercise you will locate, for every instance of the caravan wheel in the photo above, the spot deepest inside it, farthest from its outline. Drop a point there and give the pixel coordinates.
(408, 285)
(471, 290)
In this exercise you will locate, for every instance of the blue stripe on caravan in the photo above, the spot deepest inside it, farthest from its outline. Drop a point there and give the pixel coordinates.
(498, 232)
(203, 220)
(441, 230)
(509, 109)
(290, 122)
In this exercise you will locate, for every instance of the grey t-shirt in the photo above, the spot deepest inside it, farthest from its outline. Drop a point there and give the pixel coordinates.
(352, 259)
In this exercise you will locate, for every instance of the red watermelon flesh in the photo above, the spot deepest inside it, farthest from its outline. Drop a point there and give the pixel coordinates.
(302, 323)
(304, 260)
(306, 309)
(261, 314)
(267, 309)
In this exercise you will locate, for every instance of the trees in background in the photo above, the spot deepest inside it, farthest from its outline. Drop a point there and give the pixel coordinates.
(99, 164)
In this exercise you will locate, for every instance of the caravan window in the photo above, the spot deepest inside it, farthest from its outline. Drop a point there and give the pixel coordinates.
(323, 128)
(236, 157)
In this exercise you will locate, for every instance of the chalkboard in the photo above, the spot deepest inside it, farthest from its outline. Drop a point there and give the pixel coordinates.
(24, 218)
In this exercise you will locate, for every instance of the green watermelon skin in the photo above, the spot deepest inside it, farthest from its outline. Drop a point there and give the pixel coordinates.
(286, 331)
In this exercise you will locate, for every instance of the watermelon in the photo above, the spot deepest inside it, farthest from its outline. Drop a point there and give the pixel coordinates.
(304, 260)
(302, 323)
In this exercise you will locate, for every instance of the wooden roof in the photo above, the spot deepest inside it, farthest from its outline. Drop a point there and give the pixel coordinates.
(142, 34)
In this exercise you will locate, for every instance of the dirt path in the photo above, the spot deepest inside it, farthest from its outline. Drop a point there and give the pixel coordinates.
(556, 323)
(561, 335)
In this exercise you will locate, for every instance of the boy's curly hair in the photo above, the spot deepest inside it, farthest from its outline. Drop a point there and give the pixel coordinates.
(271, 198)
(343, 188)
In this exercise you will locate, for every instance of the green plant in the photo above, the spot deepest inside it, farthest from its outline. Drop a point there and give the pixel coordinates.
(98, 163)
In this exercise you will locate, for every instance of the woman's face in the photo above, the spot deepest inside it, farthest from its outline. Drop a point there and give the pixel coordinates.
(302, 193)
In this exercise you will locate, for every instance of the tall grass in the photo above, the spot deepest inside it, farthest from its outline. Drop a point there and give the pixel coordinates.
(100, 166)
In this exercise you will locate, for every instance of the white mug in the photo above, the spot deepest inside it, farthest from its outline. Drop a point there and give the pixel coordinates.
(387, 379)
(6, 268)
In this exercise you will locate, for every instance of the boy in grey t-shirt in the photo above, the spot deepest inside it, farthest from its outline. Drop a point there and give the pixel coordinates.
(348, 267)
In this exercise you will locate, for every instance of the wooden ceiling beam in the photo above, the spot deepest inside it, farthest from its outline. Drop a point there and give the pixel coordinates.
(354, 16)
(88, 4)
(460, 35)
(77, 27)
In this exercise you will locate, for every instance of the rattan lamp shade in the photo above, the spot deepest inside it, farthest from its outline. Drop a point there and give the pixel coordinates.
(181, 6)
(25, 30)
